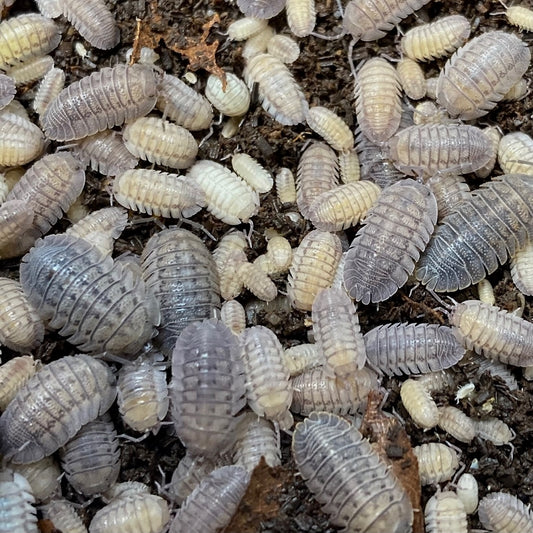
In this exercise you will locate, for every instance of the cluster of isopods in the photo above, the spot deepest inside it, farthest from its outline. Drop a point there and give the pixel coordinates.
(164, 331)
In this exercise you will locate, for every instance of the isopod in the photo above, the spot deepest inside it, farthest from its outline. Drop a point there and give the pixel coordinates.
(313, 268)
(14, 374)
(331, 128)
(419, 404)
(232, 99)
(445, 512)
(281, 96)
(522, 269)
(449, 190)
(268, 389)
(7, 90)
(261, 9)
(207, 388)
(63, 515)
(493, 332)
(91, 459)
(437, 39)
(21, 141)
(467, 491)
(515, 153)
(97, 303)
(51, 85)
(284, 48)
(106, 98)
(252, 172)
(347, 477)
(457, 424)
(54, 404)
(301, 16)
(258, 43)
(412, 348)
(142, 393)
(520, 16)
(16, 217)
(494, 430)
(437, 462)
(246, 27)
(31, 70)
(427, 112)
(228, 197)
(317, 173)
(278, 257)
(349, 167)
(161, 142)
(158, 193)
(481, 233)
(493, 133)
(505, 513)
(44, 477)
(181, 273)
(518, 91)
(377, 98)
(232, 313)
(479, 73)
(211, 505)
(183, 104)
(486, 292)
(412, 78)
(285, 186)
(383, 254)
(16, 504)
(302, 357)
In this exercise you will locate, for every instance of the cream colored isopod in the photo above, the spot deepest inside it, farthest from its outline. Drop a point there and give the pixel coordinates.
(232, 100)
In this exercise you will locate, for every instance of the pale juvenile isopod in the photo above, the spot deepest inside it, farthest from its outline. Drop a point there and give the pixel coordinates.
(437, 148)
(16, 504)
(419, 404)
(63, 515)
(26, 36)
(449, 190)
(343, 206)
(427, 112)
(349, 167)
(211, 505)
(440, 381)
(14, 374)
(411, 348)
(21, 141)
(229, 198)
(411, 78)
(337, 333)
(208, 387)
(255, 279)
(93, 20)
(268, 389)
(467, 491)
(258, 43)
(302, 357)
(314, 390)
(7, 90)
(278, 257)
(256, 438)
(396, 229)
(21, 328)
(91, 459)
(284, 48)
(233, 99)
(515, 153)
(147, 56)
(301, 16)
(518, 91)
(233, 314)
(51, 85)
(44, 477)
(313, 268)
(142, 393)
(246, 27)
(262, 9)
(281, 96)
(160, 141)
(486, 292)
(457, 424)
(228, 256)
(478, 75)
(445, 512)
(437, 462)
(522, 269)
(105, 152)
(181, 273)
(183, 104)
(331, 128)
(53, 405)
(437, 39)
(377, 98)
(252, 172)
(158, 193)
(98, 304)
(317, 173)
(16, 217)
(31, 70)
(285, 186)
(494, 430)
(493, 332)
(106, 98)
(481, 233)
(348, 478)
(520, 16)
(132, 509)
(504, 513)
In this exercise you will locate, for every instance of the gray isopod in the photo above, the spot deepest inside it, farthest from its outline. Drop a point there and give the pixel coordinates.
(479, 234)
(412, 348)
(479, 74)
(54, 404)
(181, 273)
(211, 505)
(91, 459)
(97, 303)
(505, 513)
(383, 254)
(106, 98)
(207, 388)
(7, 90)
(17, 512)
(348, 478)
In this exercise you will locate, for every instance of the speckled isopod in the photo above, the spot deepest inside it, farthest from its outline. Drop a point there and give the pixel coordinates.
(301, 16)
(436, 462)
